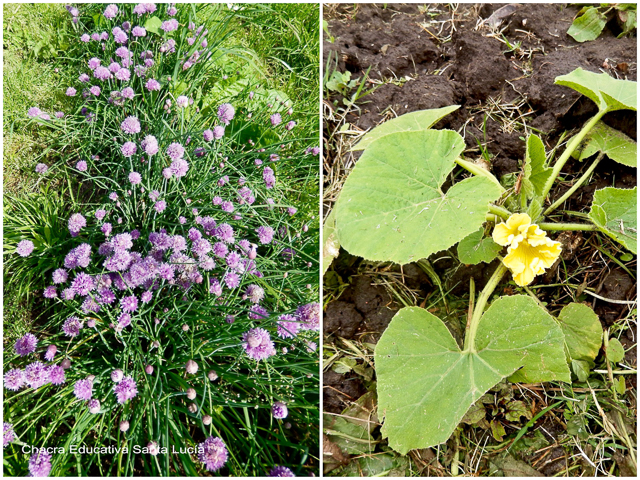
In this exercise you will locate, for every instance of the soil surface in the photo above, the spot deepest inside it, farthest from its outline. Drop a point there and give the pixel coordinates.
(436, 57)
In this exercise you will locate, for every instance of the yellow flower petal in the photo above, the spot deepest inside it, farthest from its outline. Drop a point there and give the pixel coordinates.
(505, 233)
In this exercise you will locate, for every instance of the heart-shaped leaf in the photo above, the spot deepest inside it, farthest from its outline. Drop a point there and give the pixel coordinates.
(588, 26)
(615, 211)
(392, 206)
(613, 143)
(607, 92)
(409, 122)
(153, 25)
(426, 383)
(536, 173)
(474, 249)
(615, 351)
(582, 331)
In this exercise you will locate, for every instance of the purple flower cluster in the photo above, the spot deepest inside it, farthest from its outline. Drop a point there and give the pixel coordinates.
(279, 471)
(226, 112)
(126, 389)
(40, 463)
(257, 344)
(76, 223)
(213, 453)
(130, 125)
(25, 248)
(26, 345)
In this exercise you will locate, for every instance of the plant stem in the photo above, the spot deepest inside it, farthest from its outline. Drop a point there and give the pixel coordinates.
(567, 226)
(479, 171)
(571, 146)
(500, 211)
(483, 298)
(575, 187)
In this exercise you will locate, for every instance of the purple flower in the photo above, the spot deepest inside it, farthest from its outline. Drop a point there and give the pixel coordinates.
(124, 74)
(14, 379)
(175, 151)
(208, 135)
(100, 214)
(26, 345)
(84, 78)
(214, 287)
(76, 223)
(169, 25)
(152, 85)
(172, 11)
(36, 375)
(8, 435)
(119, 35)
(94, 63)
(276, 119)
(224, 232)
(56, 374)
(111, 11)
(129, 304)
(150, 145)
(127, 92)
(83, 284)
(278, 471)
(309, 316)
(288, 327)
(117, 375)
(128, 149)
(34, 112)
(81, 166)
(50, 292)
(59, 114)
(25, 248)
(41, 168)
(72, 326)
(130, 125)
(78, 257)
(279, 410)
(179, 167)
(232, 279)
(50, 353)
(83, 389)
(182, 101)
(146, 297)
(135, 178)
(40, 464)
(268, 177)
(227, 207)
(290, 125)
(71, 92)
(106, 229)
(265, 234)
(258, 313)
(125, 390)
(95, 90)
(213, 453)
(102, 73)
(257, 343)
(114, 68)
(226, 113)
(218, 132)
(292, 211)
(85, 38)
(160, 206)
(139, 31)
(94, 406)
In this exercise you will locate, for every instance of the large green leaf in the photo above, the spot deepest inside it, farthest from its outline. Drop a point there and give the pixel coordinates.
(536, 173)
(474, 249)
(582, 331)
(153, 25)
(330, 242)
(426, 383)
(613, 143)
(615, 211)
(607, 92)
(587, 26)
(392, 206)
(409, 122)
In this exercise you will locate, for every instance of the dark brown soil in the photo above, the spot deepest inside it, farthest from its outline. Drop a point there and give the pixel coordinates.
(434, 65)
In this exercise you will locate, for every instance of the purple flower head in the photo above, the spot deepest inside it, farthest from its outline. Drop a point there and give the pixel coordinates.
(124, 74)
(85, 38)
(268, 177)
(26, 345)
(175, 151)
(117, 375)
(208, 135)
(95, 90)
(152, 85)
(100, 214)
(218, 132)
(179, 167)
(182, 101)
(51, 353)
(258, 313)
(288, 326)
(41, 168)
(226, 113)
(309, 316)
(114, 67)
(72, 326)
(83, 284)
(227, 207)
(84, 78)
(127, 92)
(146, 297)
(68, 294)
(278, 471)
(40, 464)
(276, 119)
(232, 279)
(169, 25)
(102, 73)
(71, 92)
(130, 125)
(150, 145)
(56, 374)
(106, 229)
(25, 248)
(50, 292)
(213, 453)
(111, 11)
(279, 410)
(129, 149)
(34, 112)
(139, 31)
(81, 166)
(36, 375)
(257, 343)
(160, 206)
(172, 11)
(83, 389)
(135, 178)
(76, 223)
(14, 379)
(119, 35)
(126, 389)
(94, 406)
(94, 63)
(290, 125)
(265, 234)
(224, 232)
(8, 435)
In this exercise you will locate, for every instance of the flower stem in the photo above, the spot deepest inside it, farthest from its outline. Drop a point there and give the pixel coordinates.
(483, 298)
(500, 211)
(571, 146)
(575, 187)
(552, 227)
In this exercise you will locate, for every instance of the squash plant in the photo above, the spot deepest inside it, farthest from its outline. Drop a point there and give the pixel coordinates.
(393, 207)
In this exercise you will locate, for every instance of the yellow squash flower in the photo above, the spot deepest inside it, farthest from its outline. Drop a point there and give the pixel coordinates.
(530, 251)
